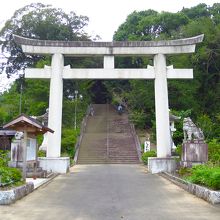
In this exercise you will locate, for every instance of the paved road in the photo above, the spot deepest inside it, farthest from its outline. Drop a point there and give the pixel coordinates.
(110, 192)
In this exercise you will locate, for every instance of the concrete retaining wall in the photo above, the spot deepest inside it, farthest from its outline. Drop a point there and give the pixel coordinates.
(55, 164)
(158, 165)
(10, 196)
(200, 191)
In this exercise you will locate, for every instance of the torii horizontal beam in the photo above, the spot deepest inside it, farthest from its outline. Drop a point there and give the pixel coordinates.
(120, 48)
(108, 73)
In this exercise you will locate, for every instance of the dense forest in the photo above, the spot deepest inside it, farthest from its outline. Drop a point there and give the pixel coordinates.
(198, 98)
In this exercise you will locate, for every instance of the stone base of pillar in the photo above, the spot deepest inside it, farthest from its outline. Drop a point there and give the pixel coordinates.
(158, 165)
(55, 164)
(190, 163)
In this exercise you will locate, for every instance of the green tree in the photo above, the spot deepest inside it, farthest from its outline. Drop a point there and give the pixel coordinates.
(200, 95)
(38, 21)
(42, 22)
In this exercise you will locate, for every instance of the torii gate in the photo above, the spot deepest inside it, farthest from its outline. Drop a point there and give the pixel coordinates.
(57, 72)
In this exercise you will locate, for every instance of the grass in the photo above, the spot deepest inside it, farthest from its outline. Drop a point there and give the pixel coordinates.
(204, 175)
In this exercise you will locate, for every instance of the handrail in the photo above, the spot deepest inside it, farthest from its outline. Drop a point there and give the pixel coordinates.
(82, 131)
(137, 142)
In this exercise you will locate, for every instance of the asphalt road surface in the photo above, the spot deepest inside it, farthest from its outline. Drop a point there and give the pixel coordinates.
(110, 192)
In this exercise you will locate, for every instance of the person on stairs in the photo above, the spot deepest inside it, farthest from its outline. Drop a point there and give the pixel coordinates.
(120, 109)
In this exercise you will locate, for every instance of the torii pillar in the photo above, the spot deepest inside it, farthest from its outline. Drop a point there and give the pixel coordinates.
(161, 106)
(55, 105)
(159, 72)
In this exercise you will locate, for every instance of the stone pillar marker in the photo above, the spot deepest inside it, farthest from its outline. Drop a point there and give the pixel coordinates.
(160, 73)
(55, 106)
(161, 107)
(109, 62)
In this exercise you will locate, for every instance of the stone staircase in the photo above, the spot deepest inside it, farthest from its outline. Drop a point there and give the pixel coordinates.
(107, 139)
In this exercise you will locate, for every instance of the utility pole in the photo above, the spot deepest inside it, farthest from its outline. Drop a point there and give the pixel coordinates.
(76, 92)
(20, 101)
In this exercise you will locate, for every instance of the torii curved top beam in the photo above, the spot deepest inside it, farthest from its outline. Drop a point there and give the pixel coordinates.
(34, 46)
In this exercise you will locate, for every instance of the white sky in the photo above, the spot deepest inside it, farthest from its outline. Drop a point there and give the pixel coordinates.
(105, 16)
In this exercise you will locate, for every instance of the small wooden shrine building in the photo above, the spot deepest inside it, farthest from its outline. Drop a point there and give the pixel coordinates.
(24, 149)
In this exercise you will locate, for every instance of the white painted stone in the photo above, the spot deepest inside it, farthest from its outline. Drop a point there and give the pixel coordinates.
(179, 73)
(178, 46)
(37, 182)
(146, 146)
(56, 165)
(158, 165)
(108, 73)
(31, 149)
(55, 106)
(36, 73)
(44, 143)
(109, 62)
(161, 107)
(138, 51)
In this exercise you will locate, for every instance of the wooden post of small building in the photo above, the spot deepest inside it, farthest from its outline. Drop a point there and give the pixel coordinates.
(24, 171)
(35, 164)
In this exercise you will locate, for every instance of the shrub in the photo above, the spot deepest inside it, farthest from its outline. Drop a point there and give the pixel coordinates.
(184, 171)
(178, 150)
(207, 126)
(41, 153)
(206, 175)
(4, 158)
(69, 138)
(9, 176)
(147, 154)
(138, 118)
(214, 152)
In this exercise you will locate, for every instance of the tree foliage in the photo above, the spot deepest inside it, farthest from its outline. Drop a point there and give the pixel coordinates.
(42, 22)
(201, 95)
(38, 21)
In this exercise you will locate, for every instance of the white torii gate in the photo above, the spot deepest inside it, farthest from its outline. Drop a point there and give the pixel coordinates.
(159, 72)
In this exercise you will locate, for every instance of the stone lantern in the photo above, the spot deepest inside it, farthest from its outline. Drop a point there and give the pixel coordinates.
(24, 149)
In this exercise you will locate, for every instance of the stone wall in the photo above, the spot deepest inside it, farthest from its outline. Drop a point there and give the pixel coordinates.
(10, 196)
(200, 191)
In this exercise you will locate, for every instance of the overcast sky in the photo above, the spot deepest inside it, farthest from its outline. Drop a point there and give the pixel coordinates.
(105, 15)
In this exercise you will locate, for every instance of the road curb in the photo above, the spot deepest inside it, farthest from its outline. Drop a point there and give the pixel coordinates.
(208, 195)
(8, 197)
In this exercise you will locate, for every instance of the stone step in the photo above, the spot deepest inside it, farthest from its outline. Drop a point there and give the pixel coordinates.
(39, 174)
(108, 162)
(109, 158)
(115, 127)
(30, 169)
